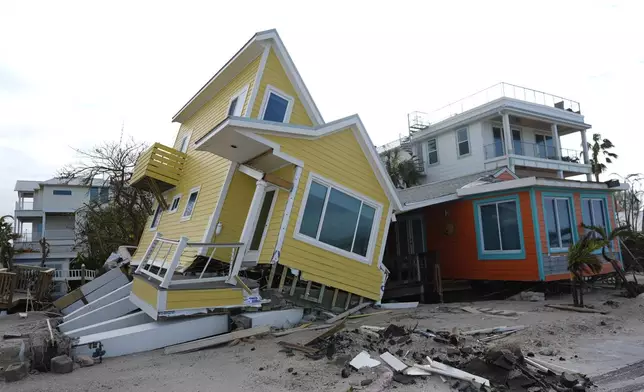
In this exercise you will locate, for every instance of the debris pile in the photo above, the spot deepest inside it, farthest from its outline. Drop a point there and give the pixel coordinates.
(462, 358)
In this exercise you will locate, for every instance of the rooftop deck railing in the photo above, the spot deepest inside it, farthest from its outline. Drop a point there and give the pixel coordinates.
(419, 120)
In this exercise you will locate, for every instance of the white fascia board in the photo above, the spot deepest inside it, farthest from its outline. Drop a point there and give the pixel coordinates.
(497, 186)
(429, 202)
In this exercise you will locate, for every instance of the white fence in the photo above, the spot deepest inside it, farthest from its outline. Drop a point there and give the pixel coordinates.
(74, 274)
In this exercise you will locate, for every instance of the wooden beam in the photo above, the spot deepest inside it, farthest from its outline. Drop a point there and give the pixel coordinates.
(335, 298)
(278, 181)
(282, 279)
(576, 309)
(216, 340)
(348, 312)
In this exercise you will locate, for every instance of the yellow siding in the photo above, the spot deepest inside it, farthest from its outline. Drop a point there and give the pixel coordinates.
(276, 218)
(275, 76)
(187, 299)
(145, 291)
(234, 212)
(201, 169)
(339, 158)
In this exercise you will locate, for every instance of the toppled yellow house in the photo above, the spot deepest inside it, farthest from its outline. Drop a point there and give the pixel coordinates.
(255, 179)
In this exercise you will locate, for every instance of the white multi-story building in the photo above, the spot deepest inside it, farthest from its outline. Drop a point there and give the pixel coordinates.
(49, 209)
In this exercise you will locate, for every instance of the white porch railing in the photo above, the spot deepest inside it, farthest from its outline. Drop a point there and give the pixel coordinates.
(163, 256)
(74, 274)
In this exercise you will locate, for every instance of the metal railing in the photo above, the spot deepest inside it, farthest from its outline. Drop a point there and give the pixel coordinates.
(500, 90)
(23, 205)
(163, 256)
(74, 274)
(535, 150)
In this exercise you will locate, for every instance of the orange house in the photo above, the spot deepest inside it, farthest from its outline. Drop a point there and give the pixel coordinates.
(496, 226)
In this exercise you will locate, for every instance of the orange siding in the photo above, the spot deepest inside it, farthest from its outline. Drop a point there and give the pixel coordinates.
(451, 232)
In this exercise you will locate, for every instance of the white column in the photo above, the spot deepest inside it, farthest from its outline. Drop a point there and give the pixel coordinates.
(44, 224)
(555, 137)
(247, 231)
(584, 146)
(507, 134)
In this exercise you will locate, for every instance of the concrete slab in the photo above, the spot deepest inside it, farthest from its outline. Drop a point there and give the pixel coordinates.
(111, 311)
(151, 336)
(287, 318)
(128, 320)
(107, 299)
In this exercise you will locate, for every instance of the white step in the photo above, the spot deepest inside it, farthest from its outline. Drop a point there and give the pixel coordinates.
(92, 291)
(108, 312)
(287, 318)
(129, 320)
(107, 299)
(151, 336)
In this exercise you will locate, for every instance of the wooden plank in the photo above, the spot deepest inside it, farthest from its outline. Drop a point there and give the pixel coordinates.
(279, 181)
(337, 327)
(356, 316)
(346, 305)
(295, 279)
(282, 279)
(575, 309)
(299, 347)
(348, 312)
(470, 309)
(215, 340)
(392, 361)
(335, 298)
(300, 329)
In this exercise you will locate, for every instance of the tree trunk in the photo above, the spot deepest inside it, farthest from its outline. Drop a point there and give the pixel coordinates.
(631, 290)
(581, 291)
(573, 291)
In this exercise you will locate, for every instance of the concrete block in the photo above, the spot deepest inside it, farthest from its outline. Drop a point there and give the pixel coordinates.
(62, 364)
(16, 372)
(107, 299)
(287, 318)
(151, 336)
(108, 312)
(128, 320)
(84, 360)
(12, 351)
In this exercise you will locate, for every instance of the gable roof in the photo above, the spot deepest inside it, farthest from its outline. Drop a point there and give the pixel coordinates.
(260, 127)
(249, 52)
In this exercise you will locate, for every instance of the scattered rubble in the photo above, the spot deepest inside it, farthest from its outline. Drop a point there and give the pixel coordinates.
(531, 296)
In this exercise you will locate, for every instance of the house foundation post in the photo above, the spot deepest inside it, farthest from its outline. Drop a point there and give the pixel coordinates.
(584, 146)
(555, 137)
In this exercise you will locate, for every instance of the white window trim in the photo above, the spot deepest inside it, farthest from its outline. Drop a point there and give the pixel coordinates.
(273, 90)
(469, 144)
(558, 225)
(157, 208)
(241, 100)
(592, 211)
(170, 210)
(185, 208)
(498, 227)
(187, 136)
(373, 237)
(438, 160)
(268, 221)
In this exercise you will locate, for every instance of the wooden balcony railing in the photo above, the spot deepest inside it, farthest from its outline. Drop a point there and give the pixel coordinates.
(158, 169)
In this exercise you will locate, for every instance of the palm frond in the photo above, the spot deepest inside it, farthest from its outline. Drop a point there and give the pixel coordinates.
(597, 229)
(622, 231)
(580, 255)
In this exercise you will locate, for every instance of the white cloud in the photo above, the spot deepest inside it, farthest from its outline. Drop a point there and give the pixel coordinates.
(73, 72)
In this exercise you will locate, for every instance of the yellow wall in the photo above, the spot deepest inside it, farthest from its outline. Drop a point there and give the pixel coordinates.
(145, 291)
(234, 212)
(275, 76)
(187, 299)
(339, 158)
(201, 169)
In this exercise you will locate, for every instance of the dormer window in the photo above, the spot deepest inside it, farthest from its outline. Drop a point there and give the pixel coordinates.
(185, 140)
(236, 104)
(277, 106)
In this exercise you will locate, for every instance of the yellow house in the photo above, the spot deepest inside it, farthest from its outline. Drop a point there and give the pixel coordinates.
(258, 183)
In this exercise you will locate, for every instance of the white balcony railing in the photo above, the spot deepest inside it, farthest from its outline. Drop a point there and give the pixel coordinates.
(65, 234)
(420, 120)
(74, 274)
(535, 150)
(24, 205)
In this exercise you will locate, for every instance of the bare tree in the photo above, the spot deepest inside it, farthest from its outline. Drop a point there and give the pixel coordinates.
(117, 218)
(7, 236)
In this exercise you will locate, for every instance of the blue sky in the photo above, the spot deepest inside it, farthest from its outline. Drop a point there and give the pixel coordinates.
(71, 73)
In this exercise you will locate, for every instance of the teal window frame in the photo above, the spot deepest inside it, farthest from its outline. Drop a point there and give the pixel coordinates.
(572, 211)
(604, 198)
(483, 254)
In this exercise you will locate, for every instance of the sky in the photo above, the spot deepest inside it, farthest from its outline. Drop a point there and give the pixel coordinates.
(73, 74)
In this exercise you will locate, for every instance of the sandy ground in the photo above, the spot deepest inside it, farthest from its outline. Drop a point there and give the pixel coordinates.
(591, 343)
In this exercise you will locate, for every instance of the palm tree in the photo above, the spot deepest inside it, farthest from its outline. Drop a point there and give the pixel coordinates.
(581, 259)
(403, 172)
(599, 147)
(7, 236)
(623, 231)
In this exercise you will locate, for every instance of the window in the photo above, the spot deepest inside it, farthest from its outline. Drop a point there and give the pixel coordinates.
(593, 212)
(337, 219)
(558, 216)
(236, 104)
(98, 194)
(497, 135)
(190, 204)
(156, 218)
(499, 226)
(463, 142)
(183, 147)
(517, 145)
(277, 106)
(174, 206)
(432, 151)
(545, 146)
(62, 192)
